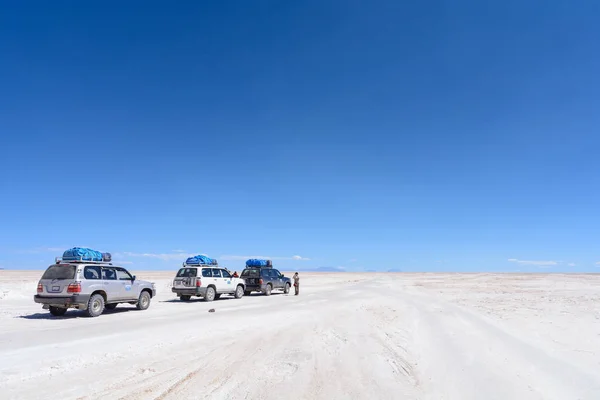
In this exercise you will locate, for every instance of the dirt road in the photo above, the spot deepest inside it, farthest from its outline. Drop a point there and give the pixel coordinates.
(347, 336)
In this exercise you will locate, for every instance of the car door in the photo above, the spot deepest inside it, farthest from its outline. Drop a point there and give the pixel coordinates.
(56, 280)
(186, 278)
(277, 281)
(227, 283)
(218, 280)
(112, 287)
(92, 279)
(127, 287)
(266, 276)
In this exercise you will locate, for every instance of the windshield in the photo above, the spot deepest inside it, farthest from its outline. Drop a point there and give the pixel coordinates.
(187, 273)
(250, 272)
(60, 272)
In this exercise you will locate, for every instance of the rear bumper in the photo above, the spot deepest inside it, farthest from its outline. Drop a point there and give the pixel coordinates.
(201, 291)
(255, 288)
(76, 300)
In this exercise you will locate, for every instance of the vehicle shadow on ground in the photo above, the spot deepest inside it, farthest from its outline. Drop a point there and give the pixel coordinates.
(72, 314)
(196, 300)
(201, 300)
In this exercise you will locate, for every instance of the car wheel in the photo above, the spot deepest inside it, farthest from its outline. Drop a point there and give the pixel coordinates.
(286, 290)
(57, 311)
(143, 301)
(185, 298)
(217, 296)
(95, 306)
(239, 292)
(110, 306)
(247, 293)
(210, 294)
(268, 290)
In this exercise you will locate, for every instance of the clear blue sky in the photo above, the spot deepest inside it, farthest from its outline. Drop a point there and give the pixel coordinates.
(439, 136)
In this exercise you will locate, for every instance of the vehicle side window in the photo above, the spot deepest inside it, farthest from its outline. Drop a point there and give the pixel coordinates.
(276, 274)
(225, 274)
(123, 275)
(266, 273)
(109, 274)
(206, 272)
(216, 273)
(92, 272)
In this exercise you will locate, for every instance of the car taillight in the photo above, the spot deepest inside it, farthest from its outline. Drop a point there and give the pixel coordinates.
(40, 288)
(198, 283)
(260, 281)
(74, 288)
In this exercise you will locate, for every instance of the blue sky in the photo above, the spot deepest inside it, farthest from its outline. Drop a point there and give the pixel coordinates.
(438, 136)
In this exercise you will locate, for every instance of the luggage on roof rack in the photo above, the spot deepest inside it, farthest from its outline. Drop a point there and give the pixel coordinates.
(254, 262)
(82, 254)
(200, 260)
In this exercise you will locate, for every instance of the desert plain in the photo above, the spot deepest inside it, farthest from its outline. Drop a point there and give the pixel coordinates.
(347, 336)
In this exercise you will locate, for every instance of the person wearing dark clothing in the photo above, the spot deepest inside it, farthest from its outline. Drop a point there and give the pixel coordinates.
(297, 283)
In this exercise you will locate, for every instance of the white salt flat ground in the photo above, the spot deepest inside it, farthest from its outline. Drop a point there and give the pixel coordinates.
(348, 336)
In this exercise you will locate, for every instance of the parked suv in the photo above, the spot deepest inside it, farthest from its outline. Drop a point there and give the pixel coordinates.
(208, 282)
(90, 286)
(265, 279)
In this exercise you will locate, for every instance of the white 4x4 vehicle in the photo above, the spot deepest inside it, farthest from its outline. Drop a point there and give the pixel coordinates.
(206, 281)
(91, 286)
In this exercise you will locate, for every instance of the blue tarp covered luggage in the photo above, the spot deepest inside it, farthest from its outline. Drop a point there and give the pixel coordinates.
(82, 254)
(254, 262)
(201, 260)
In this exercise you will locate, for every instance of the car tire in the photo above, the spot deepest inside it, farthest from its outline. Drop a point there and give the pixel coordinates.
(95, 306)
(217, 296)
(239, 292)
(210, 294)
(57, 311)
(143, 301)
(268, 290)
(247, 293)
(286, 290)
(185, 297)
(111, 306)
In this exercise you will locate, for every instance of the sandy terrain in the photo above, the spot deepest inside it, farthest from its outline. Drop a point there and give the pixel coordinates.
(347, 336)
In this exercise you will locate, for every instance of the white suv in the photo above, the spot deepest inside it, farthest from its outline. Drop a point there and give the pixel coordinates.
(91, 286)
(208, 282)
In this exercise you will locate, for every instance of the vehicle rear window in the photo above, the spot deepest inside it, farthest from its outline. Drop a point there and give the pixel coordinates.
(60, 272)
(187, 273)
(249, 272)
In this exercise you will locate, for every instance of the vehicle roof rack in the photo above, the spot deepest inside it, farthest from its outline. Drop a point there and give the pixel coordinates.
(201, 265)
(60, 260)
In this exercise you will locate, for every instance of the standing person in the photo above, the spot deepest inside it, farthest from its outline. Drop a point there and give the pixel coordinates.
(297, 283)
(235, 275)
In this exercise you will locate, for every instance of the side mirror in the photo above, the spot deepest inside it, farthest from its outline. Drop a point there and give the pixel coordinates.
(133, 279)
(282, 275)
